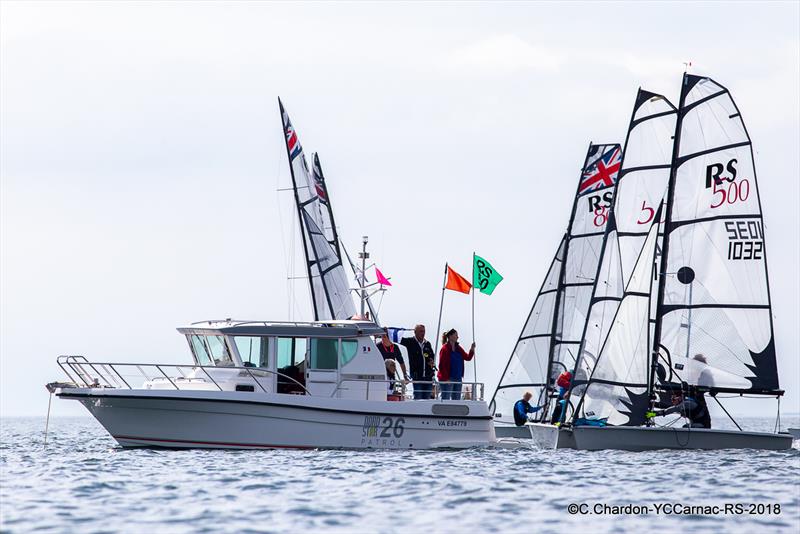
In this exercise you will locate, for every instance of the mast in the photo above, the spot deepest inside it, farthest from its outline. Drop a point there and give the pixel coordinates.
(662, 270)
(285, 123)
(363, 255)
(327, 203)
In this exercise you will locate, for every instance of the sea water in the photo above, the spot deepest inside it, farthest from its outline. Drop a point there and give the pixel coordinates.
(83, 482)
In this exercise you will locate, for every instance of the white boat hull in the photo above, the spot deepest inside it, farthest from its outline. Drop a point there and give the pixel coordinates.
(246, 420)
(654, 438)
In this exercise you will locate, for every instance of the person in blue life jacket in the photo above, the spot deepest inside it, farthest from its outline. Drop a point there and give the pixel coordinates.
(522, 409)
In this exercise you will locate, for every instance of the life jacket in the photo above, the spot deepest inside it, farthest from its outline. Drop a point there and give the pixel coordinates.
(564, 379)
(700, 413)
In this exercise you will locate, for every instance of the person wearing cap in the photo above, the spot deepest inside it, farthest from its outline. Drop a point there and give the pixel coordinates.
(523, 408)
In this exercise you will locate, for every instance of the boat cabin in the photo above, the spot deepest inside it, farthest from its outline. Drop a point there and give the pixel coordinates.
(332, 359)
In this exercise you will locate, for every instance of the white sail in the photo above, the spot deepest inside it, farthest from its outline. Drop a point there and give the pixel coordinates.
(584, 243)
(330, 292)
(617, 390)
(549, 344)
(645, 173)
(714, 308)
(527, 367)
(644, 176)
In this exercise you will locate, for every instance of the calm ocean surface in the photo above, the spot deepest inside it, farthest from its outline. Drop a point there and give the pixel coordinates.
(83, 482)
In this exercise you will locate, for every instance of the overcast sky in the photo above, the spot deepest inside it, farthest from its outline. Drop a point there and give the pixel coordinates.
(141, 153)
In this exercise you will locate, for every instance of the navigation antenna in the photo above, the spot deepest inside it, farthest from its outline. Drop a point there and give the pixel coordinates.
(363, 255)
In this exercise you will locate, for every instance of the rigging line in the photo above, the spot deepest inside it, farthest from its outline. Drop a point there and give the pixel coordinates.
(726, 412)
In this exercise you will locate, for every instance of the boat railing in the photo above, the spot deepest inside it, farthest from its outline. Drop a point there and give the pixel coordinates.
(475, 390)
(108, 375)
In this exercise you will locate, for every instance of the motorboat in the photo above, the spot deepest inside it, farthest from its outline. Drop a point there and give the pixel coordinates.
(257, 385)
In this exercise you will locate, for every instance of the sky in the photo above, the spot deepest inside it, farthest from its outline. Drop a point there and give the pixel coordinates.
(141, 156)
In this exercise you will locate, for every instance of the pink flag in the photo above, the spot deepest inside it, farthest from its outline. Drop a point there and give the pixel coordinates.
(382, 280)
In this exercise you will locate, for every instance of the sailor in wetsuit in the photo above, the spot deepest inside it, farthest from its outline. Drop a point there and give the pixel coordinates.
(523, 407)
(692, 406)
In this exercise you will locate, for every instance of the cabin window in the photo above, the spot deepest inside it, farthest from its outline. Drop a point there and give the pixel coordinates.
(218, 351)
(291, 351)
(349, 350)
(254, 351)
(200, 351)
(324, 353)
(291, 359)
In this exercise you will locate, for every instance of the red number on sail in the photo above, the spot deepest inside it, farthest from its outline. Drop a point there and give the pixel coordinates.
(649, 211)
(736, 191)
(600, 216)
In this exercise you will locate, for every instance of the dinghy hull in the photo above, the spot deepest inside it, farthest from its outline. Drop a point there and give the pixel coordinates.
(222, 420)
(654, 438)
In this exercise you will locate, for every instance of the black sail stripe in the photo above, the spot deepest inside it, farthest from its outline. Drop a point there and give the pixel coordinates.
(683, 159)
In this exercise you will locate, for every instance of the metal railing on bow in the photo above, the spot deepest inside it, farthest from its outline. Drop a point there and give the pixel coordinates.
(108, 375)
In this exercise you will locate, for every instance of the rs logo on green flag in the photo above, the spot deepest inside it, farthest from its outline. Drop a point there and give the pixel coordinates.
(484, 276)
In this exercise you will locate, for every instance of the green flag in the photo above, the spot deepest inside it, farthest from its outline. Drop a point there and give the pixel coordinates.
(484, 276)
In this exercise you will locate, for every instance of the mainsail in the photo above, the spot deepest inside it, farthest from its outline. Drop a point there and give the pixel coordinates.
(714, 321)
(330, 290)
(552, 333)
(643, 180)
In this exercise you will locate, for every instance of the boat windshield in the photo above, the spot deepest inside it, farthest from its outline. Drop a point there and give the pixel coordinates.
(210, 350)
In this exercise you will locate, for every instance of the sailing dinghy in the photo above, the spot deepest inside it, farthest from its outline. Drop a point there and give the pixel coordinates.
(695, 315)
(549, 341)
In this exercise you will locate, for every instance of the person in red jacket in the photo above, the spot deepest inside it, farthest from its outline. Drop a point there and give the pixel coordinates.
(451, 365)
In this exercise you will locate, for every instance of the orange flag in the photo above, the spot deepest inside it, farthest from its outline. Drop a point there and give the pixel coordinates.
(456, 282)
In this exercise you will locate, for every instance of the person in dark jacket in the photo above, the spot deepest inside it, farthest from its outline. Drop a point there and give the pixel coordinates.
(451, 365)
(390, 351)
(523, 407)
(692, 406)
(421, 362)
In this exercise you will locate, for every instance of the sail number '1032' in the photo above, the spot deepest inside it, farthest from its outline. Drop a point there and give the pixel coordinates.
(745, 240)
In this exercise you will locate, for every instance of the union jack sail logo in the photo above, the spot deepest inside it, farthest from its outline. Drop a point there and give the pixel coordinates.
(291, 139)
(603, 172)
(319, 184)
